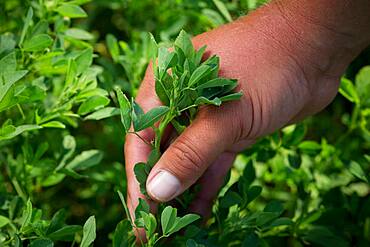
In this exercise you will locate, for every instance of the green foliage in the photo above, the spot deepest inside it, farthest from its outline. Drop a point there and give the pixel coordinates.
(190, 84)
(188, 75)
(89, 232)
(63, 65)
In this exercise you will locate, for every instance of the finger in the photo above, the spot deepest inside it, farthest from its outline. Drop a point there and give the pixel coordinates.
(192, 152)
(210, 184)
(136, 150)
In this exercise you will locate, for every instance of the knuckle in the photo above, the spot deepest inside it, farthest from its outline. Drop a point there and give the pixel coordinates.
(256, 122)
(243, 118)
(186, 159)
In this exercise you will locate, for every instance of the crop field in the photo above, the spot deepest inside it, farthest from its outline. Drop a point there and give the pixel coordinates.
(69, 73)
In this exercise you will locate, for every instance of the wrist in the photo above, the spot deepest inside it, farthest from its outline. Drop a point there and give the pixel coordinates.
(333, 33)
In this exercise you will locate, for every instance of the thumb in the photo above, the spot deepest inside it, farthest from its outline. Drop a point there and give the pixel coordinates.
(189, 156)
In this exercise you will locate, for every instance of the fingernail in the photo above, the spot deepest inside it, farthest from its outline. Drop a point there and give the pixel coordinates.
(164, 186)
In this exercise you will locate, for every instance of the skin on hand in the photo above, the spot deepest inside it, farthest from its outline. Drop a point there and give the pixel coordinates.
(288, 57)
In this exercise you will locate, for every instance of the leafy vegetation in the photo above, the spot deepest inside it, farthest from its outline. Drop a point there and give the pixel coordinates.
(66, 70)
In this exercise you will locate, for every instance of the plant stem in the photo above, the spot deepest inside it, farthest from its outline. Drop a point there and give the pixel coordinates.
(163, 236)
(187, 108)
(21, 111)
(135, 133)
(162, 127)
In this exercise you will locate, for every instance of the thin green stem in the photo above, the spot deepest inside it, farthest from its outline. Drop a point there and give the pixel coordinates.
(21, 111)
(187, 108)
(141, 138)
(161, 237)
(162, 127)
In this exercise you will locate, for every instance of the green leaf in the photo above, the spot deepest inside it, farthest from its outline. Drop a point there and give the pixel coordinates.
(41, 27)
(143, 206)
(213, 17)
(125, 109)
(54, 124)
(7, 43)
(265, 217)
(41, 243)
(166, 60)
(86, 160)
(137, 110)
(71, 72)
(153, 158)
(231, 97)
(283, 221)
(161, 92)
(152, 48)
(204, 101)
(348, 90)
(294, 134)
(199, 73)
(57, 221)
(18, 242)
(4, 221)
(310, 147)
(253, 192)
(113, 47)
(121, 237)
(199, 55)
(26, 215)
(140, 172)
(274, 207)
(217, 82)
(15, 131)
(71, 11)
(103, 113)
(357, 171)
(8, 63)
(249, 175)
(93, 103)
(79, 34)
(37, 43)
(69, 142)
(84, 60)
(363, 85)
(26, 25)
(7, 80)
(183, 41)
(71, 173)
(184, 221)
(89, 232)
(66, 233)
(168, 219)
(229, 199)
(295, 160)
(150, 118)
(150, 223)
(222, 8)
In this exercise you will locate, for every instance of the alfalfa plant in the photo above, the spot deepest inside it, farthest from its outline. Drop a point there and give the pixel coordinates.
(183, 83)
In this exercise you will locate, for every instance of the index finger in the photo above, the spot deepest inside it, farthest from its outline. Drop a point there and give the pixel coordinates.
(136, 150)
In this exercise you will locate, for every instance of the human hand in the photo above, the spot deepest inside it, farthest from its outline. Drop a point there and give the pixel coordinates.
(284, 77)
